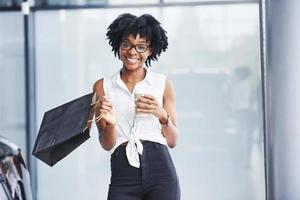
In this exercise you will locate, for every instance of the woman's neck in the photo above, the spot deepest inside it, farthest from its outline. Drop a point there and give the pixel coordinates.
(133, 76)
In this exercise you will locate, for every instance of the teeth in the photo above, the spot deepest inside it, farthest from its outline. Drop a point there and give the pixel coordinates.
(132, 59)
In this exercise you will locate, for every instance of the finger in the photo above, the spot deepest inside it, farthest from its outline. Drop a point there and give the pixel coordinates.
(146, 106)
(107, 103)
(146, 100)
(141, 105)
(149, 96)
(150, 107)
(103, 113)
(105, 107)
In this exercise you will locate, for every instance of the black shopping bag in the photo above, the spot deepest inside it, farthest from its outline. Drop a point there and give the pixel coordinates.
(64, 128)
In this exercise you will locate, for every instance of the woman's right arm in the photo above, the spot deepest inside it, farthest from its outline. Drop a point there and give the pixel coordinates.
(107, 124)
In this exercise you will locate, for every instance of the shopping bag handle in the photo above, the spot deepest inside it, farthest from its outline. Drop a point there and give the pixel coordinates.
(94, 104)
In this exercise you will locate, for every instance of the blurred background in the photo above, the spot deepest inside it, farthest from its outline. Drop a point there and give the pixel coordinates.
(213, 59)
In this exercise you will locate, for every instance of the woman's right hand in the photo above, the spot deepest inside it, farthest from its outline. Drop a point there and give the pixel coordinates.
(107, 111)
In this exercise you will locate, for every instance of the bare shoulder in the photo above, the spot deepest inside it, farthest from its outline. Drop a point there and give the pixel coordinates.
(169, 82)
(169, 89)
(98, 87)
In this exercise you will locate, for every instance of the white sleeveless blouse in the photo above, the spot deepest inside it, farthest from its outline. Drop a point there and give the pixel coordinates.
(131, 127)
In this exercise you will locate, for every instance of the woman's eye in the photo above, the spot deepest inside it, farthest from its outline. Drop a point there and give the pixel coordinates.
(126, 45)
(141, 47)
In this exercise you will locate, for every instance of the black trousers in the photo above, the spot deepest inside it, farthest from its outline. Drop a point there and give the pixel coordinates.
(156, 179)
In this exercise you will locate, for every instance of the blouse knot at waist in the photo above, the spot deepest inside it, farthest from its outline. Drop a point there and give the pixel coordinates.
(133, 149)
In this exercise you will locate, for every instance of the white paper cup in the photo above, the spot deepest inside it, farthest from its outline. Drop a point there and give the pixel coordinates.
(136, 97)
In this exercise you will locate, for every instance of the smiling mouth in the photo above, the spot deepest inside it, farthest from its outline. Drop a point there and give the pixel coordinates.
(132, 60)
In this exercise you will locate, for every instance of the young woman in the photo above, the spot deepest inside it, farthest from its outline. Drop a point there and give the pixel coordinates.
(137, 111)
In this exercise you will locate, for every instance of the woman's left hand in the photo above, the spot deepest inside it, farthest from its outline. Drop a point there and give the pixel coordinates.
(148, 104)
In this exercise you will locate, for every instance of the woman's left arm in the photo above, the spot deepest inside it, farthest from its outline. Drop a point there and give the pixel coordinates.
(169, 128)
(165, 113)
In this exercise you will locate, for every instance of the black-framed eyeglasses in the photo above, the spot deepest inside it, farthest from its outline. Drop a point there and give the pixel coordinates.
(141, 48)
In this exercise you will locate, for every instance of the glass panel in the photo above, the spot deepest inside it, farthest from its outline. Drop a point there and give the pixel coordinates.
(132, 1)
(214, 51)
(10, 3)
(203, 1)
(214, 61)
(12, 79)
(67, 2)
(90, 2)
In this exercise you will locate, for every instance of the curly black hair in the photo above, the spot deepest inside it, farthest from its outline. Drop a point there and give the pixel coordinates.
(145, 26)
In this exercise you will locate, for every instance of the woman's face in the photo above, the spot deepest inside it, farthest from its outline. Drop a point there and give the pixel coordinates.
(134, 51)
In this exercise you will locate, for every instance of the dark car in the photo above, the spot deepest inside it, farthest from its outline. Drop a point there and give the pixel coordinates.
(14, 175)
